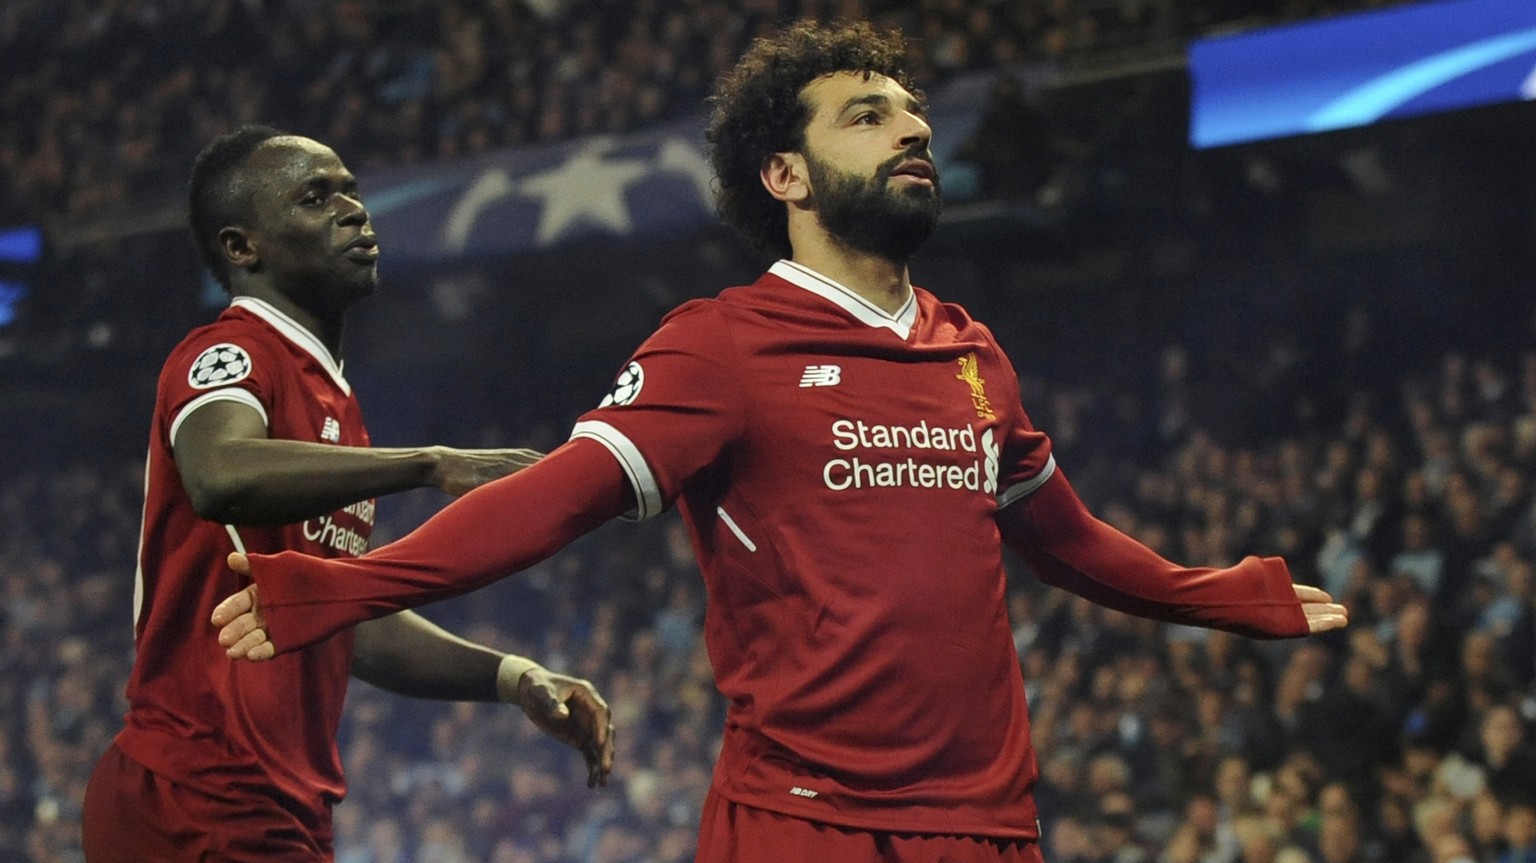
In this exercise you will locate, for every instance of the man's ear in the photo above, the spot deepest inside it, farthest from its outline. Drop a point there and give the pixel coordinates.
(786, 177)
(236, 245)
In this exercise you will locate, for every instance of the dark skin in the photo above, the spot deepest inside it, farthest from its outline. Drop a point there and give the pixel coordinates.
(307, 247)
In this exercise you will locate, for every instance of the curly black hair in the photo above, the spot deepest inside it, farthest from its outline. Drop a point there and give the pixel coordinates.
(218, 193)
(758, 111)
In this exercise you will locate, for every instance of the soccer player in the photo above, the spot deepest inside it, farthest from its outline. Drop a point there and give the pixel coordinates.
(850, 457)
(257, 445)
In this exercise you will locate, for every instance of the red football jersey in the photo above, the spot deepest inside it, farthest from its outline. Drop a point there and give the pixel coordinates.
(839, 469)
(848, 478)
(232, 728)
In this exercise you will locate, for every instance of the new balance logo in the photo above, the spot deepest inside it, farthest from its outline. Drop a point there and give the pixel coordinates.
(822, 376)
(331, 431)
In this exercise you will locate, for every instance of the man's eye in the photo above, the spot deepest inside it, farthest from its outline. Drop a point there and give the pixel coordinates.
(867, 118)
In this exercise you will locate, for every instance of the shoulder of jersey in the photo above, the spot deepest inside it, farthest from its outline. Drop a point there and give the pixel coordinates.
(953, 314)
(215, 355)
(689, 309)
(711, 318)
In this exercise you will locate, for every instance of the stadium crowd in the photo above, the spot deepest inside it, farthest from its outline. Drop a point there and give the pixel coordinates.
(1396, 475)
(1401, 486)
(105, 102)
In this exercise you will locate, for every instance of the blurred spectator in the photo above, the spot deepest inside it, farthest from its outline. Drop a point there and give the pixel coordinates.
(1520, 834)
(1402, 741)
(1506, 755)
(104, 104)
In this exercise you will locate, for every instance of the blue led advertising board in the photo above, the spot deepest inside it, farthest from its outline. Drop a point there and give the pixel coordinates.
(1358, 69)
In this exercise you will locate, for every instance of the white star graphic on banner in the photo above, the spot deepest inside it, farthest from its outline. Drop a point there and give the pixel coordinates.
(585, 188)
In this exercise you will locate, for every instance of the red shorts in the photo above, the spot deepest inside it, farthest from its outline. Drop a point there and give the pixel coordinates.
(132, 815)
(732, 833)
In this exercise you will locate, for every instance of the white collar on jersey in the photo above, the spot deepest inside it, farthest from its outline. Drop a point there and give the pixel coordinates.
(844, 298)
(294, 332)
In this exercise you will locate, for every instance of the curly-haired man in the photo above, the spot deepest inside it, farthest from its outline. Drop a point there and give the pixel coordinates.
(850, 456)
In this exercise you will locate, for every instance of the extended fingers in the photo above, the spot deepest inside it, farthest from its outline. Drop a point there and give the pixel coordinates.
(242, 632)
(599, 757)
(1307, 593)
(571, 710)
(610, 748)
(1321, 611)
(243, 639)
(1322, 617)
(235, 605)
(598, 748)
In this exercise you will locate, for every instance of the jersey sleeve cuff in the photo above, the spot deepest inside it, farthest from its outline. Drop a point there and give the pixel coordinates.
(1021, 490)
(648, 498)
(227, 394)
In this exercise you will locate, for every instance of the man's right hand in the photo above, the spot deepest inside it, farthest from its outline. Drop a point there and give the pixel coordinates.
(463, 470)
(243, 631)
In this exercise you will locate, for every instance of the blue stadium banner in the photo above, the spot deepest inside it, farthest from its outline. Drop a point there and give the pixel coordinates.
(654, 182)
(1354, 70)
(541, 196)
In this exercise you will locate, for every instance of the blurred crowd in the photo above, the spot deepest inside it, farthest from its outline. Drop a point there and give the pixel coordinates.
(1394, 473)
(1405, 739)
(104, 102)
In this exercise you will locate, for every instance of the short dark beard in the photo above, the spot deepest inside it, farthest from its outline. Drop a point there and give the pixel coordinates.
(866, 214)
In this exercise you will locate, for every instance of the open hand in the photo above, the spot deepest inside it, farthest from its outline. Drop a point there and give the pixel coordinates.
(243, 631)
(1322, 612)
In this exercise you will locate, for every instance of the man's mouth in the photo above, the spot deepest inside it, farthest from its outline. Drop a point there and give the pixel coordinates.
(364, 249)
(917, 170)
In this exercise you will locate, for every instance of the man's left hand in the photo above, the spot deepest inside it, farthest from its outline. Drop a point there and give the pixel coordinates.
(570, 710)
(1322, 612)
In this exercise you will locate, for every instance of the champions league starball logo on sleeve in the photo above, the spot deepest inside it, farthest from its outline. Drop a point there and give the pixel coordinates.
(626, 388)
(219, 365)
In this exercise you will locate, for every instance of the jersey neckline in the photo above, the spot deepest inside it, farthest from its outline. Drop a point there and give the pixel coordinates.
(845, 298)
(295, 332)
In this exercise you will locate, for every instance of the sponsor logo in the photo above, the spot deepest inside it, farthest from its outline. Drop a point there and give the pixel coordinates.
(857, 434)
(866, 468)
(822, 376)
(970, 372)
(331, 430)
(626, 388)
(325, 530)
(219, 365)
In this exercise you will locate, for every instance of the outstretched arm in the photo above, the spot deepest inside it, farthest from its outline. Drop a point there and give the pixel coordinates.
(407, 654)
(1066, 547)
(235, 474)
(490, 533)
